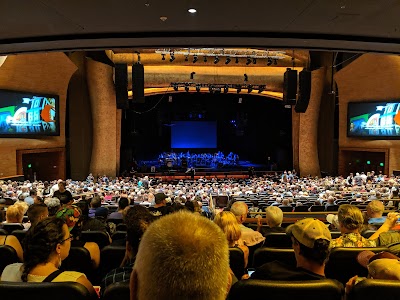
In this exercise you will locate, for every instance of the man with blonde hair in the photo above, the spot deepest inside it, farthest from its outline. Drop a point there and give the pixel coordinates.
(181, 256)
(373, 216)
(250, 237)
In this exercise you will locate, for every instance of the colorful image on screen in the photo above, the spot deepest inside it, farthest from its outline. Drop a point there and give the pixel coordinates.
(23, 114)
(193, 134)
(374, 119)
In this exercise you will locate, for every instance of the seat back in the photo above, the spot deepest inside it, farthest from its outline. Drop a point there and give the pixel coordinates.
(99, 237)
(117, 291)
(302, 208)
(236, 261)
(317, 208)
(79, 260)
(8, 255)
(221, 201)
(343, 265)
(10, 227)
(115, 221)
(287, 290)
(3, 232)
(332, 208)
(119, 235)
(111, 257)
(19, 234)
(277, 239)
(121, 227)
(375, 289)
(286, 208)
(45, 291)
(264, 255)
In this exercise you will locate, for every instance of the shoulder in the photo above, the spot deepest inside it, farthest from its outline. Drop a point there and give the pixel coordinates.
(68, 276)
(12, 272)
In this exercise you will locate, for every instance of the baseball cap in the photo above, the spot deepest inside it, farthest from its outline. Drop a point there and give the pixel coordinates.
(101, 212)
(159, 197)
(333, 219)
(366, 257)
(385, 268)
(308, 230)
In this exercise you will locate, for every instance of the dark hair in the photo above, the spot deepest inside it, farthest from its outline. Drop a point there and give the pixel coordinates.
(32, 193)
(34, 211)
(320, 252)
(40, 242)
(137, 219)
(123, 202)
(96, 202)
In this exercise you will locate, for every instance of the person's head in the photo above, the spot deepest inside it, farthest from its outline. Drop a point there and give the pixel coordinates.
(350, 218)
(37, 212)
(47, 242)
(14, 214)
(70, 215)
(229, 225)
(38, 200)
(96, 202)
(53, 204)
(184, 262)
(122, 203)
(383, 265)
(273, 216)
(32, 193)
(375, 209)
(84, 207)
(310, 240)
(137, 220)
(61, 186)
(159, 199)
(22, 206)
(240, 210)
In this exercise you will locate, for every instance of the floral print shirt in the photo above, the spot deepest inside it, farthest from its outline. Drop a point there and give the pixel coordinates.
(349, 240)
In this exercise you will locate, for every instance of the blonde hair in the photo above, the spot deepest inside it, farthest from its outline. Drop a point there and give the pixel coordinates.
(274, 216)
(186, 256)
(23, 206)
(14, 214)
(229, 225)
(376, 206)
(350, 216)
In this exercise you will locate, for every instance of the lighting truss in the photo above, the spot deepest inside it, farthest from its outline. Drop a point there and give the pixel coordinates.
(217, 88)
(221, 52)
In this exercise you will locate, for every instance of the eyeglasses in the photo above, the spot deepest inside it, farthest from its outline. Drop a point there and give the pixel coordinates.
(71, 237)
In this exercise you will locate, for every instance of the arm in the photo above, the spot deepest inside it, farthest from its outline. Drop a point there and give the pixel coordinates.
(87, 284)
(94, 251)
(13, 242)
(389, 223)
(245, 250)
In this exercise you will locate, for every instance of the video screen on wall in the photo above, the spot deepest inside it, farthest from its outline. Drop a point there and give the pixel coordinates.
(25, 114)
(379, 120)
(193, 134)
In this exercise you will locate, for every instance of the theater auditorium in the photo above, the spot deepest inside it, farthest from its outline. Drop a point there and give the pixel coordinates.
(165, 150)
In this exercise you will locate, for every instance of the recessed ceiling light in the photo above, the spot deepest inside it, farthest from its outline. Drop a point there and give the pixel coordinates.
(192, 10)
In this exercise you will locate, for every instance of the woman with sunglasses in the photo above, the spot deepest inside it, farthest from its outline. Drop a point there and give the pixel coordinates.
(45, 247)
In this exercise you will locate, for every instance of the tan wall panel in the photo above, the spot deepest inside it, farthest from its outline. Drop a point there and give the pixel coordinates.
(104, 116)
(371, 77)
(47, 73)
(308, 127)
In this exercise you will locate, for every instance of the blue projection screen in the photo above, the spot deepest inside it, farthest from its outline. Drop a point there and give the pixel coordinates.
(194, 135)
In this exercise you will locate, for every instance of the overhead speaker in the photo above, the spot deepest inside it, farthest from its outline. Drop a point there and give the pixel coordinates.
(289, 87)
(138, 83)
(304, 91)
(121, 86)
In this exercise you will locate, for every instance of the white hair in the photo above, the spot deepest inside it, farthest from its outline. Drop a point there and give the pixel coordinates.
(274, 216)
(239, 208)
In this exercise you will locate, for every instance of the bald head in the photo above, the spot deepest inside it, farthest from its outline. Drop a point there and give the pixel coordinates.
(181, 256)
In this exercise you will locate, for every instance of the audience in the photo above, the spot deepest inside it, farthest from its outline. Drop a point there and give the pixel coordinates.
(37, 212)
(63, 194)
(177, 261)
(274, 219)
(122, 204)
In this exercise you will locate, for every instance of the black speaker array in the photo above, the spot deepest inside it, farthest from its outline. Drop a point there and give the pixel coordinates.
(121, 86)
(304, 91)
(138, 83)
(290, 87)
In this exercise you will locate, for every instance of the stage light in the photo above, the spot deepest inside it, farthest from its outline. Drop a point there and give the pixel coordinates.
(254, 60)
(275, 61)
(198, 86)
(246, 78)
(172, 57)
(192, 10)
(248, 61)
(195, 59)
(238, 89)
(237, 60)
(163, 57)
(205, 59)
(175, 87)
(261, 88)
(228, 60)
(187, 58)
(216, 60)
(192, 75)
(226, 88)
(186, 87)
(269, 61)
(249, 88)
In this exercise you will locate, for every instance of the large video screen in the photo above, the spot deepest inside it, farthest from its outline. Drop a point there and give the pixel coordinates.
(25, 114)
(379, 120)
(190, 134)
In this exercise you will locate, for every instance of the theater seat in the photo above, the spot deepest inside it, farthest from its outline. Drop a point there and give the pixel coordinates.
(286, 290)
(8, 255)
(111, 257)
(19, 234)
(45, 291)
(79, 260)
(99, 237)
(117, 291)
(264, 255)
(375, 289)
(10, 227)
(278, 240)
(343, 265)
(236, 261)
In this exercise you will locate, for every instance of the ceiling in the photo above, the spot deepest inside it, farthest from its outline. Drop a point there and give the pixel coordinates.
(52, 25)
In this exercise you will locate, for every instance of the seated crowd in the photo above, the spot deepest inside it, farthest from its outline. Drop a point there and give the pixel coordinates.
(175, 230)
